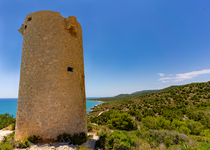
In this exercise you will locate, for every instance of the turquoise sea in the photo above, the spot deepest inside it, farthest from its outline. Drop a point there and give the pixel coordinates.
(9, 105)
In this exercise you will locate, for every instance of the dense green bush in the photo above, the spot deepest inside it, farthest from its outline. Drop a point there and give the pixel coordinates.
(156, 123)
(115, 120)
(186, 126)
(102, 119)
(119, 140)
(64, 137)
(8, 143)
(5, 120)
(76, 139)
(132, 112)
(167, 141)
(204, 146)
(162, 136)
(138, 116)
(121, 121)
(35, 139)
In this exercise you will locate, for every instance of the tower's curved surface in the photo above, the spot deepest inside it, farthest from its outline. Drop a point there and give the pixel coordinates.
(51, 97)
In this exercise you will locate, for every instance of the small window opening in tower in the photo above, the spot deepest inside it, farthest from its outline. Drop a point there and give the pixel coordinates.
(70, 69)
(25, 26)
(29, 19)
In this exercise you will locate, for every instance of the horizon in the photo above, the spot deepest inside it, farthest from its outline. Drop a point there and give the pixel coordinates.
(128, 46)
(120, 93)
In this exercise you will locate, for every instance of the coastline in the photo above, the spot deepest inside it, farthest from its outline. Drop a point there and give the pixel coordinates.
(95, 100)
(92, 108)
(8, 105)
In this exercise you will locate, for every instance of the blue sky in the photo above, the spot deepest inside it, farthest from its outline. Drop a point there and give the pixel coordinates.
(129, 45)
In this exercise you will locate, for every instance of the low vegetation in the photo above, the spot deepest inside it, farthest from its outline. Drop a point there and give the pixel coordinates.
(9, 143)
(6, 120)
(177, 117)
(35, 139)
(174, 118)
(76, 139)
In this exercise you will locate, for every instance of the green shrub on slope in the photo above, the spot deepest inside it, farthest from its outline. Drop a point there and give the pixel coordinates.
(121, 121)
(5, 120)
(119, 140)
(116, 120)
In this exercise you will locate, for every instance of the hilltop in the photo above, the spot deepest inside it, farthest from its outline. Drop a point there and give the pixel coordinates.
(177, 116)
(125, 96)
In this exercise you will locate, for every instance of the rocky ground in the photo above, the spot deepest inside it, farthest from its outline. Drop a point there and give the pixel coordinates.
(55, 146)
(4, 133)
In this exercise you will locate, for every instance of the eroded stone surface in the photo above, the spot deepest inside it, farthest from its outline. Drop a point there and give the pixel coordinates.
(51, 97)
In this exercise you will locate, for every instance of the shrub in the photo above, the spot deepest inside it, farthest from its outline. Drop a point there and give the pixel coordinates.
(184, 130)
(167, 141)
(160, 136)
(206, 133)
(138, 117)
(200, 138)
(35, 139)
(6, 146)
(149, 122)
(5, 120)
(162, 123)
(26, 143)
(64, 137)
(195, 127)
(9, 143)
(132, 112)
(204, 146)
(101, 141)
(119, 140)
(78, 139)
(102, 119)
(89, 125)
(121, 121)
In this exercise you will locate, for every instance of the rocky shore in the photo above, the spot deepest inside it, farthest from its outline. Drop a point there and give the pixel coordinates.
(95, 106)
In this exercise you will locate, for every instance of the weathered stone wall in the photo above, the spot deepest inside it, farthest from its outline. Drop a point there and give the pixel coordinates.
(51, 96)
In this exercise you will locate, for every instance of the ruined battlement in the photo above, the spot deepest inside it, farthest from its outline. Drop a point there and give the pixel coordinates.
(51, 98)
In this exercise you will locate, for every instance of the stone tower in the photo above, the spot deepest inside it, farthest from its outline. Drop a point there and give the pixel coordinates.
(51, 97)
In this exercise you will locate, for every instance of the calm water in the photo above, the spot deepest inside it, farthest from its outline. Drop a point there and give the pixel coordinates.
(9, 105)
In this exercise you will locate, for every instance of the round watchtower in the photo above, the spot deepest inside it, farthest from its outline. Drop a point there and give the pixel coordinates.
(51, 97)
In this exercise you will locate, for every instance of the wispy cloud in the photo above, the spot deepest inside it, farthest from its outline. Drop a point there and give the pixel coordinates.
(184, 76)
(161, 74)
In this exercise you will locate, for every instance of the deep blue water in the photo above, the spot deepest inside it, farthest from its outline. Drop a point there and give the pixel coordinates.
(9, 105)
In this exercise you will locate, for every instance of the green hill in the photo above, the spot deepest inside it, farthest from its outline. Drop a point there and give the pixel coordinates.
(175, 117)
(121, 97)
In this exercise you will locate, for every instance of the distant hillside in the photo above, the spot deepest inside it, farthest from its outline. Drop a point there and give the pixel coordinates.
(188, 96)
(177, 117)
(144, 91)
(121, 97)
